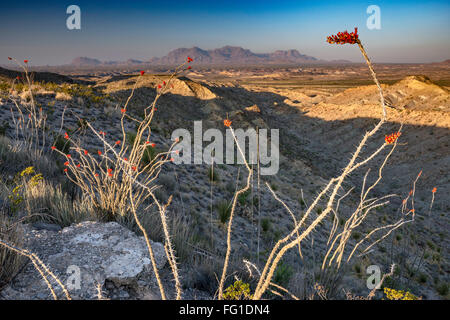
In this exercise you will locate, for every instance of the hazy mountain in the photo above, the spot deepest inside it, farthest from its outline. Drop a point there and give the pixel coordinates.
(85, 61)
(232, 55)
(224, 55)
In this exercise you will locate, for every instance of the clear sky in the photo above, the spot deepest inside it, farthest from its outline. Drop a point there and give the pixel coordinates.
(411, 31)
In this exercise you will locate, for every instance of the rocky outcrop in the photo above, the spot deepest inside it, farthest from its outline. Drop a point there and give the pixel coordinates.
(85, 255)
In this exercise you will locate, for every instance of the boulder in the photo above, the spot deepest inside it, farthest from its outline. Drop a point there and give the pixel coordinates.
(85, 255)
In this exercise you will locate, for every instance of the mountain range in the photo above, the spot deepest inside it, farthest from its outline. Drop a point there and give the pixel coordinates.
(225, 55)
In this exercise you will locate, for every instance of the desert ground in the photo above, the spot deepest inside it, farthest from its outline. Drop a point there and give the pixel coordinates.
(322, 113)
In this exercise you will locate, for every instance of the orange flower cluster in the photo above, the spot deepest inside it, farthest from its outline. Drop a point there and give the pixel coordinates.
(392, 137)
(227, 123)
(189, 59)
(434, 190)
(344, 37)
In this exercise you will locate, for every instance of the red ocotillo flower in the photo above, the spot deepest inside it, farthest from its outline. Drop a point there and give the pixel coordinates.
(99, 152)
(123, 110)
(65, 170)
(66, 163)
(117, 142)
(392, 137)
(133, 168)
(189, 59)
(189, 67)
(26, 61)
(142, 72)
(434, 190)
(344, 37)
(159, 86)
(227, 123)
(78, 165)
(66, 136)
(68, 156)
(53, 147)
(85, 152)
(9, 58)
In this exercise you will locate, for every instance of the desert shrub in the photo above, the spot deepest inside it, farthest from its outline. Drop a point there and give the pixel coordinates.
(62, 144)
(392, 294)
(265, 224)
(14, 156)
(283, 274)
(167, 181)
(4, 86)
(302, 203)
(356, 236)
(150, 152)
(55, 205)
(4, 128)
(224, 210)
(10, 261)
(24, 180)
(242, 198)
(239, 290)
(422, 278)
(442, 289)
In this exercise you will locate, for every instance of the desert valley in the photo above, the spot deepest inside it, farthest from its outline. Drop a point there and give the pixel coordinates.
(322, 110)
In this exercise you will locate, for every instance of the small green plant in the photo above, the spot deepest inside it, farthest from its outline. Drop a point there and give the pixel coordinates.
(422, 278)
(283, 274)
(265, 224)
(238, 291)
(302, 203)
(242, 198)
(62, 144)
(442, 289)
(356, 236)
(224, 210)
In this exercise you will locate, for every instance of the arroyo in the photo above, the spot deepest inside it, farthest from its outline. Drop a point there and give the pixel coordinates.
(257, 147)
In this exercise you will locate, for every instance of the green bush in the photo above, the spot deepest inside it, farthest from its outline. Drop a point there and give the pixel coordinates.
(442, 289)
(265, 224)
(224, 210)
(62, 144)
(242, 198)
(283, 274)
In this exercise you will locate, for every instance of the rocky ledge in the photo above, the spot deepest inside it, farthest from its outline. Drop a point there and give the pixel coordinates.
(84, 256)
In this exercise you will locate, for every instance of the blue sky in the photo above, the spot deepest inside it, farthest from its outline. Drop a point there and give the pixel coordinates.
(411, 31)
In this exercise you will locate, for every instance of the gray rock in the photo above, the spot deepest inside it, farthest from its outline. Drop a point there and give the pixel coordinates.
(46, 226)
(95, 251)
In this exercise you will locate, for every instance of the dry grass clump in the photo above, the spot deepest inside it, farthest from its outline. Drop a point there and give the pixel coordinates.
(10, 261)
